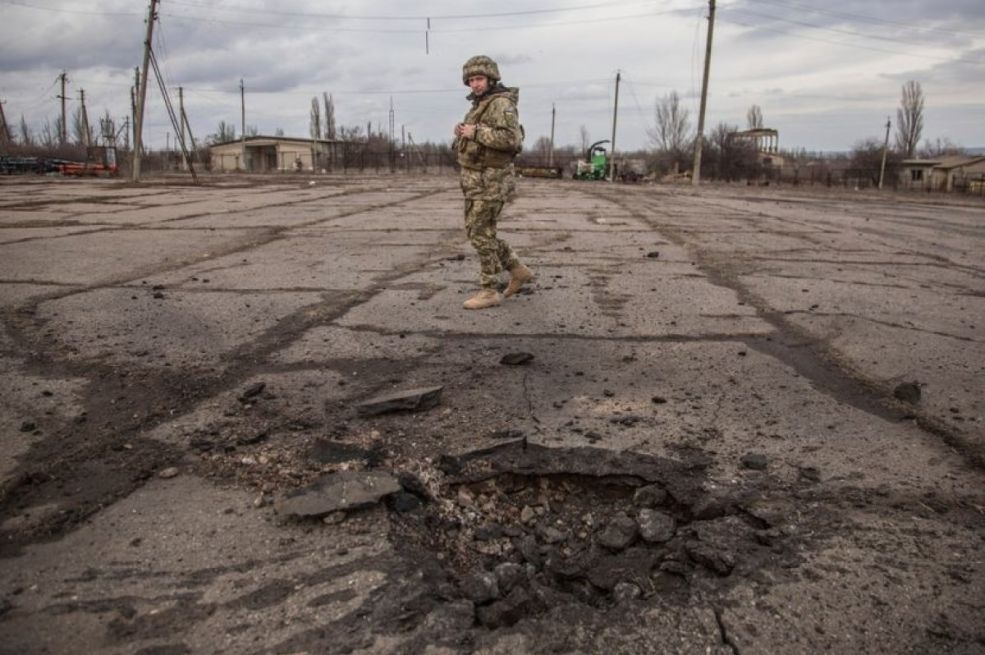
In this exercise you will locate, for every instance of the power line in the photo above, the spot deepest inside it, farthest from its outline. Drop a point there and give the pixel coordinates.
(827, 29)
(418, 17)
(918, 55)
(17, 3)
(873, 19)
(464, 30)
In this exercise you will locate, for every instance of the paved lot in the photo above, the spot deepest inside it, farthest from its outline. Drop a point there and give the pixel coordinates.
(797, 375)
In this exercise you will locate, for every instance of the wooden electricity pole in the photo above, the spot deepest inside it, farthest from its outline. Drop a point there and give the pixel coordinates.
(182, 121)
(700, 136)
(885, 149)
(63, 133)
(612, 143)
(84, 119)
(138, 130)
(5, 136)
(550, 156)
(242, 108)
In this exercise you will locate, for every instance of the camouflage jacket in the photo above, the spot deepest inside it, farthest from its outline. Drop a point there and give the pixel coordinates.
(498, 135)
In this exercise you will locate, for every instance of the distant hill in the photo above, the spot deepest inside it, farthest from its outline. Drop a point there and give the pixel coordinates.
(980, 150)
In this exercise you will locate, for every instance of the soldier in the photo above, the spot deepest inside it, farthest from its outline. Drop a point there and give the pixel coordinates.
(487, 141)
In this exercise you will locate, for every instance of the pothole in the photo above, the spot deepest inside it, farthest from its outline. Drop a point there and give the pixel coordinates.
(520, 529)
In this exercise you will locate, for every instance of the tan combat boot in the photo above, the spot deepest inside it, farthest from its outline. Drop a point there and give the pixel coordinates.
(519, 276)
(483, 299)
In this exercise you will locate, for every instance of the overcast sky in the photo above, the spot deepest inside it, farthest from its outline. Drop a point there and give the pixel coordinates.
(826, 74)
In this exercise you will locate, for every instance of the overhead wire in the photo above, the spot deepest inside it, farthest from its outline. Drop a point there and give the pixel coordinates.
(417, 17)
(417, 32)
(873, 19)
(59, 10)
(918, 55)
(821, 27)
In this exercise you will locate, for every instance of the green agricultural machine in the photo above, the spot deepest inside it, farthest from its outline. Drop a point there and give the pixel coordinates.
(596, 164)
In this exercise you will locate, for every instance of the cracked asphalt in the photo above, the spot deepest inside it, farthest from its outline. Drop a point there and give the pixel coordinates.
(751, 340)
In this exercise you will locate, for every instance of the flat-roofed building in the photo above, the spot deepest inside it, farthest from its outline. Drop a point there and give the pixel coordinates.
(265, 154)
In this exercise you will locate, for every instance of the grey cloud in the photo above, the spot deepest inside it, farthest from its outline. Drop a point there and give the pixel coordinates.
(967, 69)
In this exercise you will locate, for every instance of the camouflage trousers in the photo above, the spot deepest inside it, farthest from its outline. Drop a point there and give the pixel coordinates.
(485, 193)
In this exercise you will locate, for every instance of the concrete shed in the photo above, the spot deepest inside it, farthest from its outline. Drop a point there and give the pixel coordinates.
(263, 154)
(947, 173)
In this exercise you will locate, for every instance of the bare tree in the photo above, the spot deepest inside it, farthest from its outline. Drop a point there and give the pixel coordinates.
(909, 119)
(754, 118)
(585, 139)
(27, 139)
(107, 127)
(49, 133)
(252, 130)
(672, 134)
(329, 116)
(727, 158)
(81, 131)
(940, 148)
(279, 131)
(314, 125)
(866, 162)
(542, 148)
(225, 132)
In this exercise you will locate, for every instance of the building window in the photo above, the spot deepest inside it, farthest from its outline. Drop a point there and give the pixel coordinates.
(916, 175)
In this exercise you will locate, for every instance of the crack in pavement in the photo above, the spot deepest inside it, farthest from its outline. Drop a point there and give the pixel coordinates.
(811, 357)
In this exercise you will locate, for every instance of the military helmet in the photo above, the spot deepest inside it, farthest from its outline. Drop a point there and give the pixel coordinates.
(480, 65)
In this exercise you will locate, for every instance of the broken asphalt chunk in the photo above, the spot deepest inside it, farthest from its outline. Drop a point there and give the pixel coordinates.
(410, 400)
(341, 491)
(324, 451)
(908, 392)
(754, 461)
(516, 359)
(252, 391)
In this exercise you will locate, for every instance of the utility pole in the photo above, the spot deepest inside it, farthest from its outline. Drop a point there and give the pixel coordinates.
(84, 119)
(390, 145)
(885, 149)
(5, 137)
(242, 108)
(181, 120)
(700, 137)
(63, 135)
(138, 130)
(612, 143)
(550, 155)
(133, 102)
(126, 133)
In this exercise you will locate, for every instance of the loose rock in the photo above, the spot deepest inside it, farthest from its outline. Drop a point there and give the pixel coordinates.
(908, 392)
(656, 527)
(649, 496)
(508, 611)
(410, 400)
(619, 533)
(516, 359)
(719, 561)
(169, 472)
(344, 490)
(480, 587)
(754, 461)
(252, 391)
(508, 575)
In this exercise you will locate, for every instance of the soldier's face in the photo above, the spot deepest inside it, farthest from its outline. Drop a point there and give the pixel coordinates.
(479, 84)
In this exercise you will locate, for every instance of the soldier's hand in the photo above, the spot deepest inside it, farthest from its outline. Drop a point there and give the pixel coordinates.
(466, 131)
